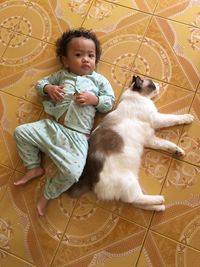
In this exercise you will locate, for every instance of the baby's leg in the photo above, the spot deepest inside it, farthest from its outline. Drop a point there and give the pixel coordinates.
(29, 175)
(42, 205)
(159, 143)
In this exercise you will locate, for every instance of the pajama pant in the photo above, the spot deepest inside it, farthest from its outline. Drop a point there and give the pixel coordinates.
(67, 149)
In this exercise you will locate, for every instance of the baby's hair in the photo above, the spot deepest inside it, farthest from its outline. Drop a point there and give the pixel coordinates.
(63, 41)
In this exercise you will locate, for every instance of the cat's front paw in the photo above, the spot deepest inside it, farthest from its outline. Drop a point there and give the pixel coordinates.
(179, 152)
(188, 118)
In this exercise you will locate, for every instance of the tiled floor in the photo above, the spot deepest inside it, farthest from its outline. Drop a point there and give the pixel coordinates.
(157, 39)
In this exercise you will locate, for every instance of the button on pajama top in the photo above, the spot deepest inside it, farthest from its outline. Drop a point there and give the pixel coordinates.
(67, 147)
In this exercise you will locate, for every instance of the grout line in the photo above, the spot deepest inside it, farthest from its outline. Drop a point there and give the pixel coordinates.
(64, 232)
(152, 13)
(175, 241)
(14, 256)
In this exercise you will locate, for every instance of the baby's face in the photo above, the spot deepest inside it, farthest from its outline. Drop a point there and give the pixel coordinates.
(81, 56)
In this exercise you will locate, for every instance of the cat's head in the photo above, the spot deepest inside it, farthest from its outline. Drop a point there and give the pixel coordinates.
(145, 87)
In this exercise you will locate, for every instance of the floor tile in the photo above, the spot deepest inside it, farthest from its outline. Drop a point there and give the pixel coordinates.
(40, 22)
(10, 260)
(119, 31)
(176, 61)
(14, 111)
(22, 84)
(117, 77)
(96, 237)
(190, 139)
(70, 13)
(159, 251)
(5, 35)
(48, 229)
(11, 13)
(22, 52)
(144, 5)
(18, 233)
(184, 11)
(182, 204)
(5, 176)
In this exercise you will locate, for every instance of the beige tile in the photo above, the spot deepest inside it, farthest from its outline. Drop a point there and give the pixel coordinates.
(181, 191)
(14, 111)
(176, 61)
(184, 11)
(117, 77)
(39, 21)
(190, 139)
(17, 232)
(144, 5)
(23, 52)
(5, 176)
(95, 236)
(50, 228)
(120, 32)
(11, 12)
(22, 84)
(70, 13)
(11, 260)
(5, 35)
(159, 251)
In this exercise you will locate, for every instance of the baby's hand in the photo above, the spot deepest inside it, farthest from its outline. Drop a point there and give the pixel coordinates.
(86, 98)
(56, 92)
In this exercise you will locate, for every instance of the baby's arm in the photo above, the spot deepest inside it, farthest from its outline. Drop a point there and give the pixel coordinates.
(56, 92)
(86, 98)
(50, 85)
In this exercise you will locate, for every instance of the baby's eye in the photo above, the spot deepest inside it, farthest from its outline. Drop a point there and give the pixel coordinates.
(78, 54)
(91, 55)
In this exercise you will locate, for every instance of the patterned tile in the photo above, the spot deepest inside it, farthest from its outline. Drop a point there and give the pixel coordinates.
(190, 139)
(14, 111)
(17, 233)
(11, 13)
(5, 37)
(5, 176)
(183, 11)
(176, 60)
(22, 52)
(143, 5)
(70, 13)
(95, 236)
(9, 260)
(40, 22)
(159, 251)
(181, 191)
(120, 32)
(49, 229)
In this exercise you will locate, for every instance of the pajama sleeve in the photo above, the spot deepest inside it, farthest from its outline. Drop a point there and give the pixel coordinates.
(106, 96)
(51, 79)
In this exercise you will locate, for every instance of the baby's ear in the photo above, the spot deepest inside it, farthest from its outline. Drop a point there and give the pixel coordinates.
(65, 61)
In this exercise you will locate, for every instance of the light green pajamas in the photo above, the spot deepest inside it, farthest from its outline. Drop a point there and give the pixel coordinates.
(66, 147)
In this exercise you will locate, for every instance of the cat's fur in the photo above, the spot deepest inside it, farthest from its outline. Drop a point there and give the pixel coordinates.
(116, 147)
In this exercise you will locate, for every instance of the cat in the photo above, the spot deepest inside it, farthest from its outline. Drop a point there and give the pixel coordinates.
(116, 147)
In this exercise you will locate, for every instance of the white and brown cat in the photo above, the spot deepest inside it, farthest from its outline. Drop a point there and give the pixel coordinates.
(116, 147)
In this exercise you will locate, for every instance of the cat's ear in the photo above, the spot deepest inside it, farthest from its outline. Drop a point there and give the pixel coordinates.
(137, 83)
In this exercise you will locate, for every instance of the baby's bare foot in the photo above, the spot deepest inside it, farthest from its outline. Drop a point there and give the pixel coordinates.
(29, 175)
(42, 206)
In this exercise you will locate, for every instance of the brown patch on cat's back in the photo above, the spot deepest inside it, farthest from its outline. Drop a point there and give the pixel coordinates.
(106, 141)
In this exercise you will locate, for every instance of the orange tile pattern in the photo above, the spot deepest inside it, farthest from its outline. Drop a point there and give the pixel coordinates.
(152, 38)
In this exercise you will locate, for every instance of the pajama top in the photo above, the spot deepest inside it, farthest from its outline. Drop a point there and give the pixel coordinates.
(79, 118)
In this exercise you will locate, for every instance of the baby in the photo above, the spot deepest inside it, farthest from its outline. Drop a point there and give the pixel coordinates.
(75, 93)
